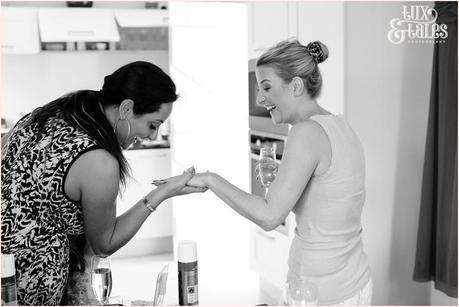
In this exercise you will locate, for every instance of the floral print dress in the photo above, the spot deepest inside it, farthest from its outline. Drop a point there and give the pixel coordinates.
(36, 214)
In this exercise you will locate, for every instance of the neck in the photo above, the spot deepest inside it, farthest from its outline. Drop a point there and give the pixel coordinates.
(111, 113)
(307, 108)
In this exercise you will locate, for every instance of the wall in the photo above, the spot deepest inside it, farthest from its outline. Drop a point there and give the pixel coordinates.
(209, 129)
(29, 81)
(387, 98)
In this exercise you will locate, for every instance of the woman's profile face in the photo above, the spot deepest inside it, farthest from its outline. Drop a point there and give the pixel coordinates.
(273, 94)
(144, 125)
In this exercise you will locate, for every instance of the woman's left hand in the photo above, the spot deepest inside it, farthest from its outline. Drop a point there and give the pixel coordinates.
(178, 185)
(199, 181)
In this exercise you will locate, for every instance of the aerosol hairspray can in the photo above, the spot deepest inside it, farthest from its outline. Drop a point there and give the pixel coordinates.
(9, 296)
(187, 273)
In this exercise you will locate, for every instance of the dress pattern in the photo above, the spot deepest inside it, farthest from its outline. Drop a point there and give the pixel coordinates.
(37, 216)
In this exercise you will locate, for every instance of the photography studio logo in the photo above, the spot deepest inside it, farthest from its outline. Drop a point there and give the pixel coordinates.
(417, 25)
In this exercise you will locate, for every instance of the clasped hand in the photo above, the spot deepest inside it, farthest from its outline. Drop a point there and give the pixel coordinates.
(187, 183)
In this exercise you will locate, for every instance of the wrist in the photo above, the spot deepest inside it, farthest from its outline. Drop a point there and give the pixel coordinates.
(148, 205)
(210, 179)
(155, 198)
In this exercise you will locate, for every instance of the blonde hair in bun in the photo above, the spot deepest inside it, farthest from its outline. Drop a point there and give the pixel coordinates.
(291, 59)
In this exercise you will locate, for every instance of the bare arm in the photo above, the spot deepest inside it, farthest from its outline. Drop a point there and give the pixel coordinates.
(98, 180)
(306, 143)
(5, 138)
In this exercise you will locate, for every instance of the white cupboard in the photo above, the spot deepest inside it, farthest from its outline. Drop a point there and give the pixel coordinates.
(19, 30)
(269, 23)
(324, 21)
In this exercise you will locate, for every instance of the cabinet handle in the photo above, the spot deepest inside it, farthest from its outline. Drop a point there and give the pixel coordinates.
(80, 33)
(264, 235)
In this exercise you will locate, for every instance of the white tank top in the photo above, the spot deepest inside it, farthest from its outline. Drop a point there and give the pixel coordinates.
(327, 247)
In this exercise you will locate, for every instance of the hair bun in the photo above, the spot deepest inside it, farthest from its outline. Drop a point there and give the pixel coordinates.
(318, 51)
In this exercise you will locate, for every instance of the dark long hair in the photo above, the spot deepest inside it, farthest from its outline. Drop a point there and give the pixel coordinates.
(143, 82)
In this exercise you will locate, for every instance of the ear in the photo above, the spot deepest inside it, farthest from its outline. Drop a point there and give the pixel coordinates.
(298, 86)
(126, 108)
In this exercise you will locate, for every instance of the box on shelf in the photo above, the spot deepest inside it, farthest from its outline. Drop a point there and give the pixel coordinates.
(143, 29)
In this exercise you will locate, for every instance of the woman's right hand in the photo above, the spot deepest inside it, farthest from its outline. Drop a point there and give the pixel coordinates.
(177, 185)
(257, 170)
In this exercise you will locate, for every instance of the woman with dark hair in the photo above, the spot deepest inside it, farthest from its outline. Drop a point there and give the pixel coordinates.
(62, 166)
(321, 179)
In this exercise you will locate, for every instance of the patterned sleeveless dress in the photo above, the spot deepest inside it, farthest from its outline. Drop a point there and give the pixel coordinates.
(37, 215)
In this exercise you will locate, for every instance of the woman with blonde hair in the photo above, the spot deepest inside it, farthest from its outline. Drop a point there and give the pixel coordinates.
(321, 178)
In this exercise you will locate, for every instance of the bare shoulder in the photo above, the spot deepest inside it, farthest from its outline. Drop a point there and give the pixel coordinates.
(308, 130)
(96, 169)
(309, 137)
(98, 161)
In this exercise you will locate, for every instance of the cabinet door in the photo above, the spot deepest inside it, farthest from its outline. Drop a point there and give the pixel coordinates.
(19, 30)
(147, 165)
(324, 21)
(269, 23)
(269, 257)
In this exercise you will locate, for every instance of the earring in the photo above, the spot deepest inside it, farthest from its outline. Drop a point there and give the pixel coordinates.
(129, 130)
(116, 125)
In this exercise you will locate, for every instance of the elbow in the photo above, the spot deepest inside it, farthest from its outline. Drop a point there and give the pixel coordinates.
(103, 250)
(107, 252)
(267, 227)
(270, 224)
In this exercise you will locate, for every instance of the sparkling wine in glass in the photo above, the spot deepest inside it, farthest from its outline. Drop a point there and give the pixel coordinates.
(101, 278)
(300, 293)
(267, 166)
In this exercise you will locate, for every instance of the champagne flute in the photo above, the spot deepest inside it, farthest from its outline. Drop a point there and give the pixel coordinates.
(101, 278)
(300, 292)
(267, 166)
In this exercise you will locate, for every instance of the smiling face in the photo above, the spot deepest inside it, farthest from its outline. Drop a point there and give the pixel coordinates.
(274, 94)
(142, 126)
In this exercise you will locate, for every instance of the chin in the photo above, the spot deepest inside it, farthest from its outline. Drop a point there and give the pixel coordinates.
(276, 119)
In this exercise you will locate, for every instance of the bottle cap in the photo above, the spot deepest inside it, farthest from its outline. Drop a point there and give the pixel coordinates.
(187, 251)
(8, 268)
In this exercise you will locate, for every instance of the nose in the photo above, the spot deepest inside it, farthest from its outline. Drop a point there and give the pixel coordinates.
(260, 99)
